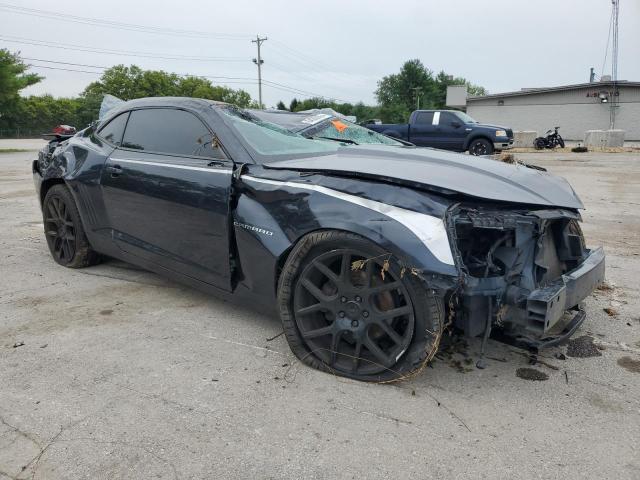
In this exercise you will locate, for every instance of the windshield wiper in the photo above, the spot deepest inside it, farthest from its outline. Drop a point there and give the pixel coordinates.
(341, 140)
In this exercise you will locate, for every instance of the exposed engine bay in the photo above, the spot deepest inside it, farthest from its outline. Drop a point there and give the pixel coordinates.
(517, 268)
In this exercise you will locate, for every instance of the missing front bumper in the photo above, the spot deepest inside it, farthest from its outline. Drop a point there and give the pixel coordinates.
(547, 305)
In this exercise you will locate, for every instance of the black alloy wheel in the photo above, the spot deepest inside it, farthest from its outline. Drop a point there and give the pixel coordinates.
(353, 319)
(348, 308)
(60, 230)
(63, 229)
(480, 147)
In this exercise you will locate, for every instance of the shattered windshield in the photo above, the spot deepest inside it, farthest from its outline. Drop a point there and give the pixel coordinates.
(324, 125)
(344, 130)
(268, 141)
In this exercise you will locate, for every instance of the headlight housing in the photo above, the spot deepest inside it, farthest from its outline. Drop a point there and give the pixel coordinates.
(501, 133)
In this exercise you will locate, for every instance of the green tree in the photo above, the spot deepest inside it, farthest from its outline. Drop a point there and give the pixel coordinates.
(293, 105)
(133, 82)
(281, 105)
(398, 93)
(443, 81)
(13, 78)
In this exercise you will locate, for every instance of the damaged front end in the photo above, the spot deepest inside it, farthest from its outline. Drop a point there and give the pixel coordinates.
(524, 272)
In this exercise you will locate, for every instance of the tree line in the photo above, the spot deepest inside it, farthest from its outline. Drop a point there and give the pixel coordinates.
(397, 95)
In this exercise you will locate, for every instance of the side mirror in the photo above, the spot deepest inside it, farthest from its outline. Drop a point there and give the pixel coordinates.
(455, 124)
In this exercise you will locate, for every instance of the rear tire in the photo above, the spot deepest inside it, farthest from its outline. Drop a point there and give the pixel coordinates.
(352, 321)
(480, 146)
(539, 143)
(63, 230)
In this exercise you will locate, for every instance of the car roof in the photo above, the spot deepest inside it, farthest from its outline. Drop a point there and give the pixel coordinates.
(169, 102)
(200, 105)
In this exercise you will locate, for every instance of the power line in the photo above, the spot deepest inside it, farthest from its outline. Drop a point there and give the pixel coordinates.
(303, 57)
(246, 80)
(129, 53)
(249, 81)
(31, 12)
(65, 69)
(106, 68)
(606, 50)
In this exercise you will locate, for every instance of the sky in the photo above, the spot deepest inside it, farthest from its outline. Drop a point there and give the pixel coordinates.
(333, 48)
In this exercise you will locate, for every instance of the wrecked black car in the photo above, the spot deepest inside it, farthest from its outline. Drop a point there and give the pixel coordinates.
(367, 253)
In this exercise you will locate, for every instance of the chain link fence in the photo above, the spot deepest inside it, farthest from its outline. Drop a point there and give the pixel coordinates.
(20, 133)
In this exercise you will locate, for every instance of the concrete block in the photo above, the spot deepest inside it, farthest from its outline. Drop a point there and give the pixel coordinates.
(604, 138)
(595, 138)
(524, 138)
(615, 138)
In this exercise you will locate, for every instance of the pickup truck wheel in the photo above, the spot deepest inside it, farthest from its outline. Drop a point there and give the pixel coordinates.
(63, 230)
(480, 146)
(367, 322)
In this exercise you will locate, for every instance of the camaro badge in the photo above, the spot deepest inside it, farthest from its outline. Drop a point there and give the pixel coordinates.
(253, 228)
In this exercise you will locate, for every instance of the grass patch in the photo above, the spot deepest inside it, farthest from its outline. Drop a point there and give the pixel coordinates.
(13, 150)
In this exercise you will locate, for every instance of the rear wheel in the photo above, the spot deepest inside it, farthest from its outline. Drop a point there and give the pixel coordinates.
(480, 146)
(347, 311)
(63, 230)
(540, 143)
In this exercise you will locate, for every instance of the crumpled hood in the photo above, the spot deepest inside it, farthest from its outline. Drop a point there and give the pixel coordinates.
(474, 176)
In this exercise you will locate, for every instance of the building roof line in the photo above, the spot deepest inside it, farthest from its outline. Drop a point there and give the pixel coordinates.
(533, 91)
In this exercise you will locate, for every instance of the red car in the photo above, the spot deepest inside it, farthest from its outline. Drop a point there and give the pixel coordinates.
(64, 130)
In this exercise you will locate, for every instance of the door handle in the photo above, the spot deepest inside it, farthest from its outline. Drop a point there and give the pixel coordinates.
(114, 170)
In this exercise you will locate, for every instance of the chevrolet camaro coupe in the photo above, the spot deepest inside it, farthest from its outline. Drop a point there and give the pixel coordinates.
(366, 252)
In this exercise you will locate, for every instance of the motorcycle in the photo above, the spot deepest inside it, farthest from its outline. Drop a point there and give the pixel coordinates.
(552, 139)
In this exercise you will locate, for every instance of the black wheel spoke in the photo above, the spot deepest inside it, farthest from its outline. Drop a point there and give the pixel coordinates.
(65, 249)
(51, 233)
(345, 267)
(315, 291)
(57, 248)
(368, 269)
(394, 312)
(316, 307)
(326, 271)
(377, 352)
(384, 287)
(393, 335)
(318, 332)
(55, 203)
(335, 343)
(53, 214)
(356, 356)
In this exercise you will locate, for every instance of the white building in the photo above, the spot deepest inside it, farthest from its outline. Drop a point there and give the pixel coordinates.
(575, 108)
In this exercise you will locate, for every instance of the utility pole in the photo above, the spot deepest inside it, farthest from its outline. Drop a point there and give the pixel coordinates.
(258, 61)
(592, 76)
(418, 91)
(615, 5)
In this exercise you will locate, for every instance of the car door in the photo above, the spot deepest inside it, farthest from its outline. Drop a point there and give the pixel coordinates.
(450, 132)
(166, 194)
(423, 130)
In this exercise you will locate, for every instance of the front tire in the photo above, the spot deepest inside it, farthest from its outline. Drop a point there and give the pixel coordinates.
(560, 141)
(63, 230)
(364, 320)
(480, 146)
